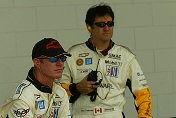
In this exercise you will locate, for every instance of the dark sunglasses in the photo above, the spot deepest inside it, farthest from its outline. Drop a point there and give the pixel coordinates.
(55, 59)
(103, 24)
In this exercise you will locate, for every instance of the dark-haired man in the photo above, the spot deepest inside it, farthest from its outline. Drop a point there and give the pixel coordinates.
(99, 71)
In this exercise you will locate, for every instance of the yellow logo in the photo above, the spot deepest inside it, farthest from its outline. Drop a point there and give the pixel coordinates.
(36, 105)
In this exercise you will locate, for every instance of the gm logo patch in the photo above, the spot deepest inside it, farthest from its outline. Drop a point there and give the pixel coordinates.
(112, 71)
(41, 104)
(88, 61)
(79, 62)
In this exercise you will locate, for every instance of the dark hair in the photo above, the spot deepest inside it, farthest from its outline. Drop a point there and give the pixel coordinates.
(98, 10)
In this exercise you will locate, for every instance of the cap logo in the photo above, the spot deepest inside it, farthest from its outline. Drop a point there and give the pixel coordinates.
(53, 44)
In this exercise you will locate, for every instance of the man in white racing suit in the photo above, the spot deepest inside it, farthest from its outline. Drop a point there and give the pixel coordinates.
(96, 75)
(39, 96)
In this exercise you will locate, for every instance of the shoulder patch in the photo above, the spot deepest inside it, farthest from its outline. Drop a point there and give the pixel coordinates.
(21, 87)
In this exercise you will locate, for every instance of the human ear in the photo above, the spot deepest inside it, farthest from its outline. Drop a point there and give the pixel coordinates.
(89, 28)
(36, 62)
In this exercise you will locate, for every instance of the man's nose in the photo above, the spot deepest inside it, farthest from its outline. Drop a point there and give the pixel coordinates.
(106, 27)
(59, 62)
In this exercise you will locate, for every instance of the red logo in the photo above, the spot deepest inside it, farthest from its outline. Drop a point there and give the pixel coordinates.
(98, 111)
(53, 44)
(21, 112)
(37, 96)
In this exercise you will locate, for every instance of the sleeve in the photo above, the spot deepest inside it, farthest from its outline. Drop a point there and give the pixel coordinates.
(67, 75)
(67, 81)
(20, 109)
(66, 87)
(144, 102)
(140, 89)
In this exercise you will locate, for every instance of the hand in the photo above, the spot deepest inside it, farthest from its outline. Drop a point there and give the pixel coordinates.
(85, 86)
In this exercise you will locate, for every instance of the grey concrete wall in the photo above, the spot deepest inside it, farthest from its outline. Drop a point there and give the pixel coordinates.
(147, 27)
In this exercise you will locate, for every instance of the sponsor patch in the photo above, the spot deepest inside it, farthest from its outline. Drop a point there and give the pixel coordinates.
(57, 103)
(69, 116)
(110, 62)
(21, 112)
(88, 61)
(53, 44)
(54, 112)
(57, 96)
(39, 115)
(41, 104)
(139, 74)
(113, 63)
(79, 62)
(36, 96)
(115, 56)
(84, 70)
(19, 88)
(36, 105)
(98, 111)
(83, 54)
(112, 71)
(106, 85)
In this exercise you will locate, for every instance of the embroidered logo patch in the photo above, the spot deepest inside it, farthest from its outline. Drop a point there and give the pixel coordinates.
(88, 61)
(112, 71)
(53, 44)
(36, 96)
(83, 54)
(21, 112)
(19, 88)
(36, 105)
(54, 112)
(41, 104)
(79, 62)
(98, 110)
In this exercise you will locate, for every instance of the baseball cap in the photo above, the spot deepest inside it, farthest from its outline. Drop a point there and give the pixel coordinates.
(48, 47)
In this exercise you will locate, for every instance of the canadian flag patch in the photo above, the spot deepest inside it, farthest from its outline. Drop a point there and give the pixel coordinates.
(98, 110)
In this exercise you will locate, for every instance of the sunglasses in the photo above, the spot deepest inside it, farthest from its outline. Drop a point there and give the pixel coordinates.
(55, 59)
(103, 24)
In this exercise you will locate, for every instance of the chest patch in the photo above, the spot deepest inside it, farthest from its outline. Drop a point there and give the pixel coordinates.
(79, 62)
(112, 71)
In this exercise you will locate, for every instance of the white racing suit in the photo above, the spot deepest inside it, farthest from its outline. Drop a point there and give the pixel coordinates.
(35, 100)
(118, 68)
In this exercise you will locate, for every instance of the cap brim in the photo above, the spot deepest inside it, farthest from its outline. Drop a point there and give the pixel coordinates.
(67, 54)
(61, 54)
(64, 53)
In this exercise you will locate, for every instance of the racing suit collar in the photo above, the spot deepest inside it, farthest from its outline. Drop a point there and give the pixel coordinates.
(31, 78)
(92, 47)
